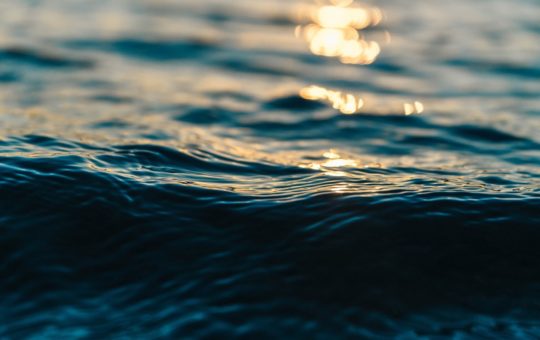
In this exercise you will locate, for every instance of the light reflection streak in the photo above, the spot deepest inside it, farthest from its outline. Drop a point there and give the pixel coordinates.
(348, 103)
(334, 31)
(332, 161)
(334, 164)
(416, 107)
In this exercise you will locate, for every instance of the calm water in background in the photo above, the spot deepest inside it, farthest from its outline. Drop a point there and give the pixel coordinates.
(176, 168)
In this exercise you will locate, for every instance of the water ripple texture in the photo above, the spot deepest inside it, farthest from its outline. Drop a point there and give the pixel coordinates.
(283, 169)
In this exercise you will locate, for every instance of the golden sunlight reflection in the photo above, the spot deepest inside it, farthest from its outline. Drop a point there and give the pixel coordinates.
(416, 107)
(334, 164)
(334, 28)
(348, 103)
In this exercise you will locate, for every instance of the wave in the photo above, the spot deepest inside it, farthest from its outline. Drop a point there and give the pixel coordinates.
(88, 251)
(194, 170)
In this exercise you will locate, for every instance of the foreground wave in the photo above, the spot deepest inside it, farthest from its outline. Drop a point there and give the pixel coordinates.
(93, 250)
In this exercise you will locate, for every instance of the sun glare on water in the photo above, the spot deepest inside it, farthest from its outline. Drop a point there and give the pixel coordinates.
(336, 29)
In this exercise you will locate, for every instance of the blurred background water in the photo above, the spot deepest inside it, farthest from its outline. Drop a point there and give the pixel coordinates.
(174, 169)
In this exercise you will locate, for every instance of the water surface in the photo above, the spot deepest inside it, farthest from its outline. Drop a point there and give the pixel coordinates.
(269, 169)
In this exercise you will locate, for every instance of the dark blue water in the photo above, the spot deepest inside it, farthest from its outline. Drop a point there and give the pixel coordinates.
(192, 169)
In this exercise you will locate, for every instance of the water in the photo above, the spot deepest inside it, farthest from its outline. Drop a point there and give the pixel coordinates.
(215, 168)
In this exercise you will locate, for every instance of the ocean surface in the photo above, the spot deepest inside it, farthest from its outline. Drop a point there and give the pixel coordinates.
(269, 169)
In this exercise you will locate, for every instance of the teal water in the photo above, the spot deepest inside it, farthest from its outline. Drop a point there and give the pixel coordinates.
(201, 169)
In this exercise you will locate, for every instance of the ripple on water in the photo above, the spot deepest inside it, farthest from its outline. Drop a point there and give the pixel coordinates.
(193, 169)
